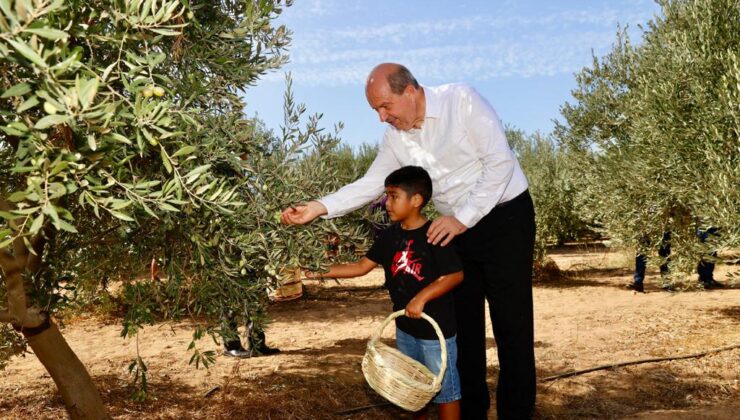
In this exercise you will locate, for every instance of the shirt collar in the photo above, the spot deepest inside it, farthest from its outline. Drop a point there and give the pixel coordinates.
(432, 103)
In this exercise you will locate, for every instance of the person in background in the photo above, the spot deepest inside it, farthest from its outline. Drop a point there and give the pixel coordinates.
(705, 268)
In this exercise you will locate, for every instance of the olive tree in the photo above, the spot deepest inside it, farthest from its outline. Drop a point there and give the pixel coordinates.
(552, 186)
(122, 139)
(655, 129)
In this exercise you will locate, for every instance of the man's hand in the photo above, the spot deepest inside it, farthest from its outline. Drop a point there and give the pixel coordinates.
(444, 229)
(415, 308)
(302, 213)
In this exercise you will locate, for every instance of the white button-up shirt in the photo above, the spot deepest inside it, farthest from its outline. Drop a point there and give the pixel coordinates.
(462, 145)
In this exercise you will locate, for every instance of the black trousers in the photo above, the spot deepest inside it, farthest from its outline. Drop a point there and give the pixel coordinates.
(497, 258)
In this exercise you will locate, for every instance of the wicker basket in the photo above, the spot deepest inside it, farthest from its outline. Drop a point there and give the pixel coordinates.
(399, 378)
(291, 286)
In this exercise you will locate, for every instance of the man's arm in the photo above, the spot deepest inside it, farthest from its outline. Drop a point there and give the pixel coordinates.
(343, 271)
(351, 196)
(439, 287)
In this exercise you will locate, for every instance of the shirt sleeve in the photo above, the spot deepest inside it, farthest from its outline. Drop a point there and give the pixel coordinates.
(487, 136)
(364, 190)
(377, 250)
(446, 258)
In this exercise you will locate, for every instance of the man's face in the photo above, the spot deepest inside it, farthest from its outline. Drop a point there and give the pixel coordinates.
(397, 110)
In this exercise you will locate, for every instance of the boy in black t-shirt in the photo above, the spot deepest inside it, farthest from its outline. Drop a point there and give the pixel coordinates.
(419, 277)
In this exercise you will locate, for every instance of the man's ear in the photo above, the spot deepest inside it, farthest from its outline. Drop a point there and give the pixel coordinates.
(409, 90)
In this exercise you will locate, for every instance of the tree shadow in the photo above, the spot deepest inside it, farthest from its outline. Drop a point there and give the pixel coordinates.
(732, 312)
(621, 392)
(320, 395)
(577, 248)
(586, 278)
(627, 391)
(346, 347)
(320, 304)
(331, 293)
(277, 396)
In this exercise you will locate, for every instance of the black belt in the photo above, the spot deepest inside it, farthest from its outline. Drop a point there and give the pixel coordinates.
(519, 197)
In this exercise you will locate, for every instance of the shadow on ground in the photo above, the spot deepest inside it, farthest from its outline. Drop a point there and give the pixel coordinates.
(731, 312)
(290, 395)
(628, 391)
(577, 248)
(319, 304)
(588, 277)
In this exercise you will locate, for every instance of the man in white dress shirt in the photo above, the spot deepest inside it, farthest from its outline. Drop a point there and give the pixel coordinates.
(487, 214)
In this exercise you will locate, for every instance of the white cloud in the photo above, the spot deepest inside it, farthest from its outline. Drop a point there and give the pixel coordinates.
(317, 8)
(313, 9)
(469, 48)
(410, 31)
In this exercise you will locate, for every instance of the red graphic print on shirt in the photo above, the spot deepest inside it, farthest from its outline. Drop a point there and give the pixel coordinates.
(403, 262)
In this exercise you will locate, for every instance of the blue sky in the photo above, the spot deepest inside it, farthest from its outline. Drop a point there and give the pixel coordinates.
(521, 55)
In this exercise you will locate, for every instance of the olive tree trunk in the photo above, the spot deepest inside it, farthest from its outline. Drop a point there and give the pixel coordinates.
(80, 395)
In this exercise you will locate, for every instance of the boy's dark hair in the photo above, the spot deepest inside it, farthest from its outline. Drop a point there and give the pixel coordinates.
(413, 180)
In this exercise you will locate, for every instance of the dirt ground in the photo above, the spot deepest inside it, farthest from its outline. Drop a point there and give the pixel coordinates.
(587, 318)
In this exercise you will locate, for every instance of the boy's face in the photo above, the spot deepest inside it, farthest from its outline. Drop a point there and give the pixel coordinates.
(400, 205)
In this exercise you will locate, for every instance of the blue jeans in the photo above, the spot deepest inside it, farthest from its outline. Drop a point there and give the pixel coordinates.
(705, 268)
(429, 353)
(641, 260)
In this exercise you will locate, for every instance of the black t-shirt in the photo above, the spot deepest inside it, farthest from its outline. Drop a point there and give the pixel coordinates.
(410, 265)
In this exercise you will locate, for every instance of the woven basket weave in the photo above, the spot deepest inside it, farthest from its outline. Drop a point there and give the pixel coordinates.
(290, 286)
(399, 378)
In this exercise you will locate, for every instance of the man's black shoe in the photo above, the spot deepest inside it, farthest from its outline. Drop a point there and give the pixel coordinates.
(637, 287)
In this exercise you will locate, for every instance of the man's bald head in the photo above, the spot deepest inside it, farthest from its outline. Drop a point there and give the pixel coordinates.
(393, 92)
(391, 75)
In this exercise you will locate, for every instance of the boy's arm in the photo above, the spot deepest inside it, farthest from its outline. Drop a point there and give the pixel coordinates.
(341, 271)
(439, 287)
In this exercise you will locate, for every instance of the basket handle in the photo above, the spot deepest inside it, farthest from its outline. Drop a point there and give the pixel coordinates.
(440, 337)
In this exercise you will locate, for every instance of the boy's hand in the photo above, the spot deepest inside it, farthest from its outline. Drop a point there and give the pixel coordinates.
(415, 308)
